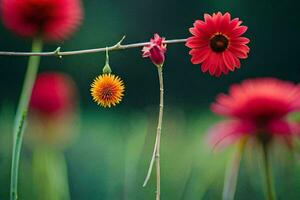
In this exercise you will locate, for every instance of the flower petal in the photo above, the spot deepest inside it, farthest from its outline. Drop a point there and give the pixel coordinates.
(229, 60)
(240, 40)
(281, 127)
(196, 42)
(238, 31)
(199, 55)
(240, 51)
(225, 133)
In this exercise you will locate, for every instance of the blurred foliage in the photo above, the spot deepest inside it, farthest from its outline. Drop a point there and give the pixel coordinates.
(110, 160)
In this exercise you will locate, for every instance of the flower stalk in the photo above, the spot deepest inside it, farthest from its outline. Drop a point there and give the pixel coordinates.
(156, 152)
(270, 191)
(232, 172)
(20, 117)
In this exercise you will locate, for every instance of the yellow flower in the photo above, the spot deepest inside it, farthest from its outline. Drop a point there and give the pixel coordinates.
(107, 90)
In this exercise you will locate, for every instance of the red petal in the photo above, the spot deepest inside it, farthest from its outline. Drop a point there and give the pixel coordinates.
(225, 133)
(225, 22)
(229, 60)
(238, 31)
(240, 51)
(196, 42)
(199, 55)
(240, 40)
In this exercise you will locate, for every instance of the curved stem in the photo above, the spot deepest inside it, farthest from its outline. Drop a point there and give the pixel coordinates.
(59, 53)
(270, 191)
(156, 151)
(151, 164)
(31, 72)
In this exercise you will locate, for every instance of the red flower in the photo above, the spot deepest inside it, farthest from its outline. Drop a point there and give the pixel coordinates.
(257, 107)
(53, 94)
(217, 43)
(53, 19)
(156, 50)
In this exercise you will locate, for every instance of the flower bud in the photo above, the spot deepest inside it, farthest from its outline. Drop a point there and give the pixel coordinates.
(157, 56)
(155, 50)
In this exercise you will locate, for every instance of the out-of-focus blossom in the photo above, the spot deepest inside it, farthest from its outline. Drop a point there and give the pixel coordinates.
(155, 50)
(257, 108)
(53, 94)
(217, 43)
(54, 20)
(53, 106)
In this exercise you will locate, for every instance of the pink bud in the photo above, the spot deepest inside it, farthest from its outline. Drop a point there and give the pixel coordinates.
(155, 50)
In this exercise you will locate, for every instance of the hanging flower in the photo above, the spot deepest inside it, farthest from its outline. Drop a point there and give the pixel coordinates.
(155, 50)
(54, 20)
(107, 90)
(53, 94)
(217, 44)
(257, 108)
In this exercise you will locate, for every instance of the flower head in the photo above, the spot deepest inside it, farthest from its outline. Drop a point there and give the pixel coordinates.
(217, 44)
(107, 90)
(257, 107)
(54, 20)
(155, 50)
(53, 94)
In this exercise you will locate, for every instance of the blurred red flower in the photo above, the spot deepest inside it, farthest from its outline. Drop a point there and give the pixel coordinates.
(54, 20)
(217, 43)
(155, 50)
(258, 108)
(53, 94)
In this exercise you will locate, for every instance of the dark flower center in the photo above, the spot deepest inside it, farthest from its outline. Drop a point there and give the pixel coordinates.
(39, 13)
(219, 43)
(107, 92)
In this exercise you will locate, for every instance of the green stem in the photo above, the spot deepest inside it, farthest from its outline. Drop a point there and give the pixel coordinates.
(270, 191)
(31, 72)
(49, 174)
(232, 171)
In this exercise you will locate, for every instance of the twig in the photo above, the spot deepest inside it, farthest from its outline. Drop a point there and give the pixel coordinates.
(151, 164)
(156, 151)
(57, 52)
(160, 117)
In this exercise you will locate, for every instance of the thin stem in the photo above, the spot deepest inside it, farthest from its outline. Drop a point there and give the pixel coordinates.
(232, 171)
(270, 191)
(16, 157)
(151, 164)
(156, 151)
(59, 53)
(160, 117)
(31, 72)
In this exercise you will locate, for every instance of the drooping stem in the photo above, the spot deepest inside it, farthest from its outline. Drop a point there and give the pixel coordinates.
(30, 76)
(232, 172)
(270, 191)
(58, 53)
(151, 164)
(156, 151)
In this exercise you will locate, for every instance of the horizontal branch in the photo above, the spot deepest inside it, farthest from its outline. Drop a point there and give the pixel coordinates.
(59, 53)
